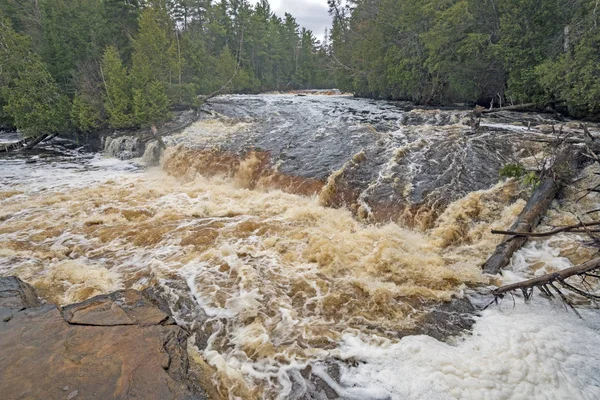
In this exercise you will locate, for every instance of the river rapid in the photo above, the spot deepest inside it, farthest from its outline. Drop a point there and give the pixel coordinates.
(305, 241)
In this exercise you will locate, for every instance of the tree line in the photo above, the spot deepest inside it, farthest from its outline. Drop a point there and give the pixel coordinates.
(85, 64)
(476, 51)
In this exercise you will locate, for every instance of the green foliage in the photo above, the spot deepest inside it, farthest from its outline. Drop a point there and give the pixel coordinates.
(35, 104)
(442, 51)
(517, 171)
(31, 98)
(155, 55)
(574, 76)
(151, 105)
(531, 179)
(85, 115)
(512, 171)
(118, 94)
(183, 95)
(6, 121)
(123, 62)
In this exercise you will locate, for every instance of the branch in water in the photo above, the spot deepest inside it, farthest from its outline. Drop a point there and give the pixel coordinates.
(565, 229)
(546, 283)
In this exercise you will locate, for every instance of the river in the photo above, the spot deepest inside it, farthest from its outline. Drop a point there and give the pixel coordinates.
(316, 233)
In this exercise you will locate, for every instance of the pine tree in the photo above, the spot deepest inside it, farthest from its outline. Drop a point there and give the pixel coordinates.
(155, 56)
(84, 115)
(32, 99)
(118, 94)
(151, 106)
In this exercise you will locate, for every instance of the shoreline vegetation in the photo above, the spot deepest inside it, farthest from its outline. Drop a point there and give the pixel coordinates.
(81, 66)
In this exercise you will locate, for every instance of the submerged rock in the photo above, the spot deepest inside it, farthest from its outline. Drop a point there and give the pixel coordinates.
(385, 161)
(118, 346)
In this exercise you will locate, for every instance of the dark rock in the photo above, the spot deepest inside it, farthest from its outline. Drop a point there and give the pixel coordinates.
(448, 319)
(16, 294)
(118, 346)
(127, 307)
(316, 387)
(414, 159)
(175, 299)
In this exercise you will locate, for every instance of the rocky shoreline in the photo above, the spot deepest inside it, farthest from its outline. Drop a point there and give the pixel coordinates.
(126, 345)
(118, 346)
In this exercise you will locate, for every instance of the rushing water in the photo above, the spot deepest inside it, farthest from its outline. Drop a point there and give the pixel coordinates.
(289, 232)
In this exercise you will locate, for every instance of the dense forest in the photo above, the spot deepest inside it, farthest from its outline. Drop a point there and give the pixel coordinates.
(451, 51)
(83, 64)
(78, 65)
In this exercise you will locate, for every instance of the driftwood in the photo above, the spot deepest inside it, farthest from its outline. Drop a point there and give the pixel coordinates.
(25, 144)
(549, 284)
(536, 208)
(529, 218)
(578, 228)
(509, 108)
(38, 140)
(584, 269)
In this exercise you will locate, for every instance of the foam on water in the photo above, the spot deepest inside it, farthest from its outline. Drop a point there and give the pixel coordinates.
(536, 351)
(278, 282)
(516, 350)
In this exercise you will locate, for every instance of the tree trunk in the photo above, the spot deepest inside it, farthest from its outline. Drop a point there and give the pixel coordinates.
(510, 108)
(25, 144)
(547, 279)
(530, 217)
(36, 141)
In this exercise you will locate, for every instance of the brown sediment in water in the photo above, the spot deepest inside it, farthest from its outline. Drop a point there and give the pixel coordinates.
(9, 194)
(253, 170)
(283, 275)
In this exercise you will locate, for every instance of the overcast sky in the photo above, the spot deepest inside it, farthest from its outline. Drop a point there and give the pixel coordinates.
(311, 14)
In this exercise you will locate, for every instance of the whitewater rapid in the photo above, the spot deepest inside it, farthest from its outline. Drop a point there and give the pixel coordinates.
(273, 283)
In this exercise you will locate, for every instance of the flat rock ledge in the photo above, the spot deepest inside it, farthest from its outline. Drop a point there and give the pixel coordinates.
(117, 346)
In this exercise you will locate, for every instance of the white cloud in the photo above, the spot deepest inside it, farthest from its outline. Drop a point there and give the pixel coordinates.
(311, 14)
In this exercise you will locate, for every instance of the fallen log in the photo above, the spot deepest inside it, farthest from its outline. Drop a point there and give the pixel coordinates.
(25, 144)
(534, 210)
(36, 141)
(510, 108)
(563, 229)
(13, 146)
(546, 284)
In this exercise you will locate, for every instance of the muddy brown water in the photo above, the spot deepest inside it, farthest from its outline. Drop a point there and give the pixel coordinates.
(276, 225)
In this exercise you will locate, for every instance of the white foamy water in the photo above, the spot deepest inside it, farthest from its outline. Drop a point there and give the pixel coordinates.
(281, 282)
(535, 351)
(538, 350)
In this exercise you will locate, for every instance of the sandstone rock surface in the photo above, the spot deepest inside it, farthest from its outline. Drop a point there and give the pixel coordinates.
(118, 346)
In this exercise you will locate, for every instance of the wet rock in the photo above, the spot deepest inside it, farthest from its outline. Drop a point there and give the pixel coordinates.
(175, 299)
(128, 307)
(152, 153)
(316, 386)
(123, 147)
(414, 161)
(16, 294)
(448, 319)
(126, 348)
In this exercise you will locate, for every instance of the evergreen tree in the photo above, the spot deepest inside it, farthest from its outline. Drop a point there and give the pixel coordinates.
(155, 55)
(85, 116)
(117, 86)
(31, 98)
(151, 105)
